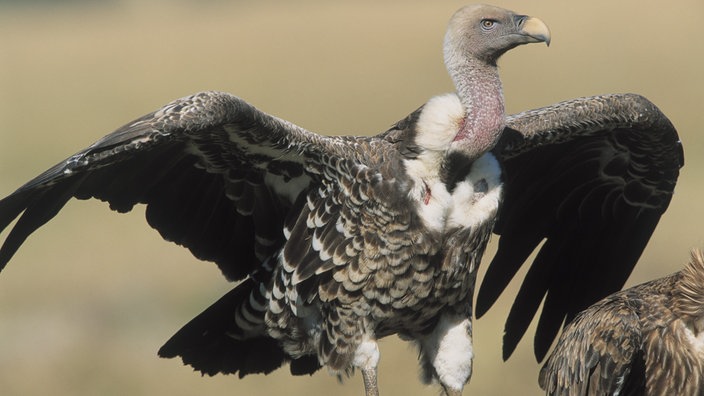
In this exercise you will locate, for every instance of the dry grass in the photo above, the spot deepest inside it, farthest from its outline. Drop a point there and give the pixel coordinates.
(88, 300)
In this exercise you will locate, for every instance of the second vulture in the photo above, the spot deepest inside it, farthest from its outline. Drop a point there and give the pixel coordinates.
(647, 340)
(339, 241)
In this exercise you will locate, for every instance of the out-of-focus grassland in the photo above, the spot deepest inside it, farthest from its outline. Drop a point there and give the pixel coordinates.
(91, 296)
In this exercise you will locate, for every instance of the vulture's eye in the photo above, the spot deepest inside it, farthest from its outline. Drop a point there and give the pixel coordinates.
(488, 24)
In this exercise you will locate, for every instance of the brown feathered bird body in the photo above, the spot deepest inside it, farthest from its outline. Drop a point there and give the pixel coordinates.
(646, 340)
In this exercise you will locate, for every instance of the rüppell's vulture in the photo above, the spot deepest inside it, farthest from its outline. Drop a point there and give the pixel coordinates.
(340, 241)
(647, 340)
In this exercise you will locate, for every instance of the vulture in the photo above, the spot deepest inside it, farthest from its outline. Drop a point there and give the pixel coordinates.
(336, 242)
(647, 340)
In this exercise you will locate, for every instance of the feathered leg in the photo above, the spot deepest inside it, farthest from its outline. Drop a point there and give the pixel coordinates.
(447, 353)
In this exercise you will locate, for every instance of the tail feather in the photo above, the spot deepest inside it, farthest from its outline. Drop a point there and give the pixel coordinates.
(216, 341)
(205, 342)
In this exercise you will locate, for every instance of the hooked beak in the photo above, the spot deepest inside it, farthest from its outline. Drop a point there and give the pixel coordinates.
(534, 29)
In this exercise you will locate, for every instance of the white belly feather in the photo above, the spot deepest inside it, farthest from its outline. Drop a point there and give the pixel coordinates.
(476, 199)
(473, 201)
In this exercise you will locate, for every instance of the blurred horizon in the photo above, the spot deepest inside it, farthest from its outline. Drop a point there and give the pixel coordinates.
(90, 297)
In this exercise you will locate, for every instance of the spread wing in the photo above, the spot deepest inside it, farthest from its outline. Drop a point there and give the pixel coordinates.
(598, 354)
(589, 179)
(217, 175)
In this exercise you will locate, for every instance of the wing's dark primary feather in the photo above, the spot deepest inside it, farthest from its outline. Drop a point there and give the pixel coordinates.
(217, 175)
(590, 177)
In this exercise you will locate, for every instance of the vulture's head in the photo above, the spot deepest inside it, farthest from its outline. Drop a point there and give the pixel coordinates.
(485, 32)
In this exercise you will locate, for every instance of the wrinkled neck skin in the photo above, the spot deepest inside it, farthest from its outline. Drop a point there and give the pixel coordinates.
(479, 89)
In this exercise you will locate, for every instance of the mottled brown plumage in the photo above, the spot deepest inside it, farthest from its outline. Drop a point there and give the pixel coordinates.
(338, 241)
(647, 340)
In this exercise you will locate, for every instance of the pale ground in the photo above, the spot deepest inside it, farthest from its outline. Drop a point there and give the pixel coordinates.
(89, 299)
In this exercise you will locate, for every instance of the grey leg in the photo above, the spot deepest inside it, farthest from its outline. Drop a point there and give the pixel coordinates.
(366, 359)
(370, 385)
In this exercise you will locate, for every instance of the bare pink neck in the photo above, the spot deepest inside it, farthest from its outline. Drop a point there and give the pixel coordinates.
(479, 89)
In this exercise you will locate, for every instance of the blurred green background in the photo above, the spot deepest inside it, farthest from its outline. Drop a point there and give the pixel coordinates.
(90, 297)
